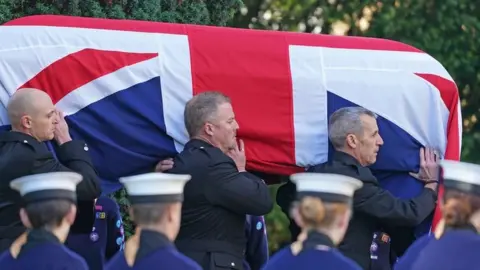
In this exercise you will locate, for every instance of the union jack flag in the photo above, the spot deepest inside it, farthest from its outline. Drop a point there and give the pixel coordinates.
(123, 86)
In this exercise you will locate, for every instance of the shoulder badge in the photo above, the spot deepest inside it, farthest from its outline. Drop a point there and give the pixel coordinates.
(259, 225)
(94, 237)
(101, 215)
(385, 238)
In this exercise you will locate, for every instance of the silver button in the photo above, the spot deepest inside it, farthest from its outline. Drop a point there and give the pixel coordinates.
(232, 264)
(25, 141)
(85, 148)
(201, 147)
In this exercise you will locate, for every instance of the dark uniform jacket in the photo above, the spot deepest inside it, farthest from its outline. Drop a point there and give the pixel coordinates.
(373, 206)
(216, 202)
(413, 252)
(40, 250)
(150, 250)
(316, 252)
(106, 237)
(22, 155)
(455, 249)
(256, 253)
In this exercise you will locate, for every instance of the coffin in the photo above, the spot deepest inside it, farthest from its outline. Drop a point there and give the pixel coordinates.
(123, 86)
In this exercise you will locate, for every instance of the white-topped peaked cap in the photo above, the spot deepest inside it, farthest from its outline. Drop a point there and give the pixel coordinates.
(45, 186)
(328, 187)
(461, 175)
(155, 187)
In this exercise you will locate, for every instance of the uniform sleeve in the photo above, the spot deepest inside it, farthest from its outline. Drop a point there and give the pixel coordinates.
(115, 232)
(73, 156)
(240, 192)
(256, 253)
(377, 202)
(16, 160)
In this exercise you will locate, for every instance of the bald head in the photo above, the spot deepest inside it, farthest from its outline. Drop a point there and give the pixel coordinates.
(25, 102)
(32, 111)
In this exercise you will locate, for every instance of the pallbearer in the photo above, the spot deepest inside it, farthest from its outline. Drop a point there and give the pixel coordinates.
(323, 212)
(458, 246)
(156, 200)
(48, 212)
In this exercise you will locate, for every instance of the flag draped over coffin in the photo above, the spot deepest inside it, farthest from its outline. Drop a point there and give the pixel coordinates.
(123, 86)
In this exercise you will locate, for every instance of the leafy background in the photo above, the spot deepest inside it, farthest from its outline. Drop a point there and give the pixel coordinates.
(447, 29)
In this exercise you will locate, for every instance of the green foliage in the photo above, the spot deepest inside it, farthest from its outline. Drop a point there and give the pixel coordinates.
(121, 197)
(206, 12)
(277, 224)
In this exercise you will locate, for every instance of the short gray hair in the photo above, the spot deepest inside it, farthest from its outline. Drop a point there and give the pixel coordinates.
(202, 108)
(148, 213)
(346, 121)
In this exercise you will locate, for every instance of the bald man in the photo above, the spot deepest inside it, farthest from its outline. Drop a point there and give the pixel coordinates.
(35, 120)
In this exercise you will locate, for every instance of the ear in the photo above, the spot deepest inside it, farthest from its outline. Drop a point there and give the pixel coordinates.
(345, 220)
(169, 213)
(352, 141)
(209, 128)
(26, 121)
(70, 218)
(24, 218)
(295, 214)
(174, 212)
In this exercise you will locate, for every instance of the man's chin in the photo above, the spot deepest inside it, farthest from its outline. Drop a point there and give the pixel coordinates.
(372, 161)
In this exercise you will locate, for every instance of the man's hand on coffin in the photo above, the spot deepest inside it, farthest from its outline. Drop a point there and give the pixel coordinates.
(61, 130)
(238, 155)
(429, 166)
(164, 165)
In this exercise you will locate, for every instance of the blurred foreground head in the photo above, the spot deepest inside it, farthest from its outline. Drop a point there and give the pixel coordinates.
(156, 200)
(324, 203)
(49, 201)
(461, 200)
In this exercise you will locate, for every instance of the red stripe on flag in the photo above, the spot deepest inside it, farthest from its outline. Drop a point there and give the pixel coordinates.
(449, 93)
(254, 71)
(76, 69)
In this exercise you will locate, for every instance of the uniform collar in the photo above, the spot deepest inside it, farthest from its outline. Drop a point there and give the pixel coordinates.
(345, 158)
(15, 136)
(198, 143)
(467, 227)
(315, 239)
(151, 241)
(36, 237)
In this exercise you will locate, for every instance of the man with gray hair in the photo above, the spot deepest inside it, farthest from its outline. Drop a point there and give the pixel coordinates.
(354, 134)
(221, 192)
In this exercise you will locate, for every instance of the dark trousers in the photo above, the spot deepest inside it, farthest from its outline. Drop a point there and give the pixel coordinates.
(213, 254)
